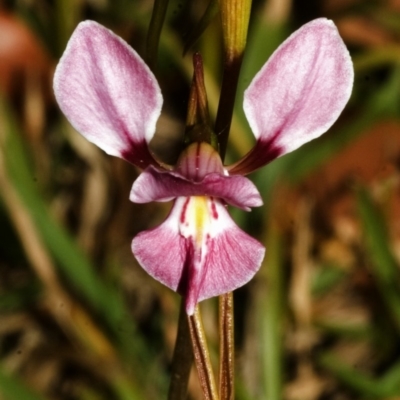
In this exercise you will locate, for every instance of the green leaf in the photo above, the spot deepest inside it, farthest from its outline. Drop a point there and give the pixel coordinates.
(194, 35)
(386, 386)
(383, 264)
(270, 314)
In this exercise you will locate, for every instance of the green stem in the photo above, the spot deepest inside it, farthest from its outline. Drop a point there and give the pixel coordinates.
(235, 15)
(227, 102)
(153, 37)
(182, 359)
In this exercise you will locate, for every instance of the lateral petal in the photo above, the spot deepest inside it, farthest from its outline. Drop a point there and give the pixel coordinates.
(162, 251)
(108, 93)
(298, 94)
(156, 185)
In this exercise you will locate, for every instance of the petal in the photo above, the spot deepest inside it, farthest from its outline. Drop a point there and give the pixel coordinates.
(108, 93)
(161, 251)
(298, 94)
(233, 258)
(155, 185)
(230, 259)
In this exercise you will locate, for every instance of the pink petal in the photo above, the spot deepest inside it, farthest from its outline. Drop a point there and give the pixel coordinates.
(161, 251)
(298, 94)
(230, 256)
(155, 185)
(108, 93)
(234, 258)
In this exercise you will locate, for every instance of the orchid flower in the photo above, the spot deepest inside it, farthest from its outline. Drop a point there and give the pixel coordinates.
(112, 98)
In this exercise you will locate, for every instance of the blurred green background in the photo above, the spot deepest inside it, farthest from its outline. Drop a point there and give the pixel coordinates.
(79, 319)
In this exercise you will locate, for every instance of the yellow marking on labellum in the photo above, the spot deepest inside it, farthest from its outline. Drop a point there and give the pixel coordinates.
(201, 215)
(197, 220)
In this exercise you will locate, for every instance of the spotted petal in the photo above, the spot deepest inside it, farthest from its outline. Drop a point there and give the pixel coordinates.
(108, 93)
(298, 94)
(200, 252)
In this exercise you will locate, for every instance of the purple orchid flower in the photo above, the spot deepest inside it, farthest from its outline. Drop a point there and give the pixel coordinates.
(112, 98)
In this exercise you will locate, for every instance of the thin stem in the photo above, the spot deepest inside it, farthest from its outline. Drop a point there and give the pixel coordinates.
(202, 356)
(201, 88)
(227, 347)
(182, 359)
(235, 15)
(227, 102)
(191, 118)
(153, 38)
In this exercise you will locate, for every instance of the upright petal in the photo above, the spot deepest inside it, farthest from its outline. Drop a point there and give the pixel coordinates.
(298, 94)
(108, 93)
(200, 253)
